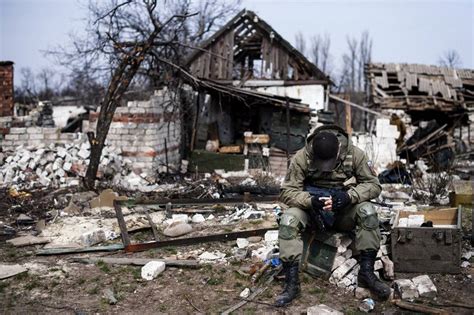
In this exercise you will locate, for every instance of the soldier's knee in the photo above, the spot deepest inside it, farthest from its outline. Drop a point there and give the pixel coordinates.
(367, 215)
(289, 227)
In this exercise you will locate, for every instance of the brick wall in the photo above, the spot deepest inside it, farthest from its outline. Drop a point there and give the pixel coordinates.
(6, 97)
(140, 129)
(36, 136)
(6, 88)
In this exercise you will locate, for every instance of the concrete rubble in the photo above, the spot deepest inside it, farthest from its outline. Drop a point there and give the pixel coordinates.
(152, 269)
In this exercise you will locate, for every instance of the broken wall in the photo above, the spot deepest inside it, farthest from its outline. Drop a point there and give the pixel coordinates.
(380, 148)
(141, 130)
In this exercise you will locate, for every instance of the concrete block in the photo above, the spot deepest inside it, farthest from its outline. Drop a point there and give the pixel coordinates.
(322, 309)
(198, 218)
(93, 237)
(343, 269)
(262, 253)
(338, 261)
(271, 237)
(180, 218)
(152, 269)
(378, 265)
(388, 268)
(425, 286)
(406, 289)
(242, 243)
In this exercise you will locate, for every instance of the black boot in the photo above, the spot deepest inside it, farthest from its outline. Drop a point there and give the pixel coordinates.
(366, 277)
(292, 284)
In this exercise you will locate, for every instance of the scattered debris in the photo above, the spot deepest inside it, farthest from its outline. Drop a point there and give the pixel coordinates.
(322, 309)
(7, 271)
(110, 297)
(152, 269)
(367, 305)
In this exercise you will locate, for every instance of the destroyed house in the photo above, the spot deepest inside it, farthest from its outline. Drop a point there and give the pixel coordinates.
(253, 80)
(425, 92)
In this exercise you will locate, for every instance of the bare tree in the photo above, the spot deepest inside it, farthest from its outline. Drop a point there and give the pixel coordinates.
(450, 59)
(351, 77)
(365, 56)
(129, 40)
(300, 42)
(320, 52)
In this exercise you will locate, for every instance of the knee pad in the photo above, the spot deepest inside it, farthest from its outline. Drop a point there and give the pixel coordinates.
(289, 227)
(368, 217)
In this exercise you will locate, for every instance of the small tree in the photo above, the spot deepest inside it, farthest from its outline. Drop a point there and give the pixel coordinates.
(134, 39)
(450, 59)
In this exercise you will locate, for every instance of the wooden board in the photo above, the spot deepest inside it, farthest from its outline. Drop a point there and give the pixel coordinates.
(257, 138)
(230, 149)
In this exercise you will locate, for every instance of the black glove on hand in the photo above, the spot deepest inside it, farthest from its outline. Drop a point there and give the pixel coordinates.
(340, 200)
(317, 204)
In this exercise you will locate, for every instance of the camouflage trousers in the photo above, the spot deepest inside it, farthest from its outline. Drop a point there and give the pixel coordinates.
(361, 217)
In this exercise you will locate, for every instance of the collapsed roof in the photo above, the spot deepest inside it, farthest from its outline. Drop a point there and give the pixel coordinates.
(415, 87)
(249, 48)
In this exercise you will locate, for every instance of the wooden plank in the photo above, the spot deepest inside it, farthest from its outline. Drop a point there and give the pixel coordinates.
(257, 138)
(419, 307)
(136, 261)
(74, 250)
(230, 149)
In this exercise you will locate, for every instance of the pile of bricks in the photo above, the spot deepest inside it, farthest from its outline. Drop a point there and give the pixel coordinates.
(345, 267)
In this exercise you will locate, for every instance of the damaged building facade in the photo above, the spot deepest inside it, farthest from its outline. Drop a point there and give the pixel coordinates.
(253, 82)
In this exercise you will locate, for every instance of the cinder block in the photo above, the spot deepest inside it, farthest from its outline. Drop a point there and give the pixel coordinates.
(425, 286)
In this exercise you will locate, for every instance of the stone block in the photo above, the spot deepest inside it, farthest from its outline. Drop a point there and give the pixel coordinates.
(388, 268)
(152, 269)
(177, 229)
(93, 237)
(198, 218)
(425, 286)
(343, 269)
(406, 289)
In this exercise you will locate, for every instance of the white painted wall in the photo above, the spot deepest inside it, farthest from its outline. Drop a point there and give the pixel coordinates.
(313, 95)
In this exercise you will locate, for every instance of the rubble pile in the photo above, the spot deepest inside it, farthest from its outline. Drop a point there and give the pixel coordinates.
(54, 165)
(57, 165)
(345, 266)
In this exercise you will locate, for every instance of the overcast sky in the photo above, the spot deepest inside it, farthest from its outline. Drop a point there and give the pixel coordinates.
(402, 31)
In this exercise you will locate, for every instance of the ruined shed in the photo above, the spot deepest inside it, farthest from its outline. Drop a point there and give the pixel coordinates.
(424, 91)
(253, 80)
(247, 52)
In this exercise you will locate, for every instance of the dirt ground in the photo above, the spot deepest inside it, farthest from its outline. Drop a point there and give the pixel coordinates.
(55, 285)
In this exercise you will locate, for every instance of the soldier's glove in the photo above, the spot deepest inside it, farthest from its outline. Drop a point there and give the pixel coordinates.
(317, 204)
(340, 200)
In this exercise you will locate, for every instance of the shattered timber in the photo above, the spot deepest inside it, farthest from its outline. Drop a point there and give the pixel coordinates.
(184, 217)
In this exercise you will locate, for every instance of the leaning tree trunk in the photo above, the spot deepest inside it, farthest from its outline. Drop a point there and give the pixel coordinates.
(118, 85)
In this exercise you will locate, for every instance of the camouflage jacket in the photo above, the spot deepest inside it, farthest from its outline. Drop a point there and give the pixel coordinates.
(353, 173)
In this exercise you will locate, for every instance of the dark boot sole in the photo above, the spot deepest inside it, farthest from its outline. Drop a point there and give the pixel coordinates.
(286, 304)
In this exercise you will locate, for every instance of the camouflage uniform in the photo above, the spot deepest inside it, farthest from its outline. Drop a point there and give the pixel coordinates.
(353, 173)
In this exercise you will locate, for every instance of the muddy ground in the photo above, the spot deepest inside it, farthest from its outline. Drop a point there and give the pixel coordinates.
(55, 285)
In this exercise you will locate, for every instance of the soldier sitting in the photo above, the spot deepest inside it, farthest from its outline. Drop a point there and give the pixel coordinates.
(329, 162)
